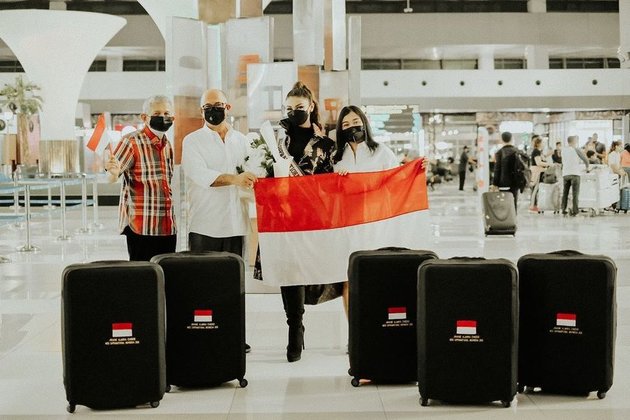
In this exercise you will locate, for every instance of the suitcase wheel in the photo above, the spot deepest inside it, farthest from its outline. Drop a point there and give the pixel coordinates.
(154, 404)
(520, 388)
(506, 404)
(71, 407)
(424, 402)
(601, 395)
(243, 382)
(168, 388)
(355, 382)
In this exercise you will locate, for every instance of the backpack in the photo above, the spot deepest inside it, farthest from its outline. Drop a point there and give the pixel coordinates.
(522, 175)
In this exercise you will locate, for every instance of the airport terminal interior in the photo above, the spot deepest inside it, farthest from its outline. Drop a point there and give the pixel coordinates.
(432, 78)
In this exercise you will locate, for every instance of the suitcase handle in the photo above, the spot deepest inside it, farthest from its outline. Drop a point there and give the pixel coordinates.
(467, 258)
(566, 252)
(393, 248)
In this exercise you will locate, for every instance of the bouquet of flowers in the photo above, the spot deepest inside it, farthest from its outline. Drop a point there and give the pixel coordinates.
(259, 160)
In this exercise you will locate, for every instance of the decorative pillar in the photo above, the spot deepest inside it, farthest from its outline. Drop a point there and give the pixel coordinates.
(624, 34)
(308, 32)
(335, 35)
(354, 60)
(56, 55)
(486, 60)
(537, 57)
(161, 10)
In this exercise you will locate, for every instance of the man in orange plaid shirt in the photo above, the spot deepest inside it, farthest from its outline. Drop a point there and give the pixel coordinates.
(145, 160)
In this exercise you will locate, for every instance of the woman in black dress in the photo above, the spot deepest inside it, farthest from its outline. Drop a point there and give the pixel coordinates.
(302, 138)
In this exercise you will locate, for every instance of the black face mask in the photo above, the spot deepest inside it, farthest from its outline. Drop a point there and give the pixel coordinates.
(214, 115)
(355, 133)
(160, 123)
(297, 116)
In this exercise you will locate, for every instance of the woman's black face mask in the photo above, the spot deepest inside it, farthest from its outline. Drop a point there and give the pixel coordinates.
(355, 133)
(297, 116)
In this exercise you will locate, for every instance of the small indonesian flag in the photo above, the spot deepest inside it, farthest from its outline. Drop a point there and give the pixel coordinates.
(100, 138)
(203, 315)
(397, 313)
(467, 327)
(566, 320)
(122, 329)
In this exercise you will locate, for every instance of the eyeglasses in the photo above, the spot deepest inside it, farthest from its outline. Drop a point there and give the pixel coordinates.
(216, 104)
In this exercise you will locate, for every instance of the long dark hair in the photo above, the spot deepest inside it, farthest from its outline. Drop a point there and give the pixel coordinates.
(341, 140)
(614, 145)
(300, 90)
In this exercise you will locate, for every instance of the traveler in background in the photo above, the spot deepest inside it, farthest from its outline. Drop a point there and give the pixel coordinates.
(625, 159)
(614, 160)
(600, 149)
(538, 167)
(571, 156)
(591, 155)
(464, 161)
(357, 151)
(145, 160)
(218, 220)
(556, 157)
(503, 177)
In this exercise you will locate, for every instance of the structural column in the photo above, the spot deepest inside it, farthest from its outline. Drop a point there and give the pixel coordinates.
(56, 56)
(537, 6)
(537, 57)
(624, 33)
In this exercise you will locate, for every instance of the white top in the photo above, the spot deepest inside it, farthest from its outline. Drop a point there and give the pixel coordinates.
(571, 161)
(214, 211)
(614, 158)
(365, 161)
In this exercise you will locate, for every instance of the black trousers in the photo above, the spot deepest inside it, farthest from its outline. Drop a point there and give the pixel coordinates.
(462, 179)
(145, 247)
(200, 243)
(514, 191)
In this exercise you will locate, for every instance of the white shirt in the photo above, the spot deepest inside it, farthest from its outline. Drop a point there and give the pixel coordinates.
(214, 211)
(571, 161)
(365, 161)
(614, 158)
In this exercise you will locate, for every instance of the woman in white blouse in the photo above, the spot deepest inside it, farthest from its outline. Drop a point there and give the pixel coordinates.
(357, 151)
(614, 159)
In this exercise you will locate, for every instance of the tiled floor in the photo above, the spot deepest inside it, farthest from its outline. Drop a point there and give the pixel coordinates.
(317, 387)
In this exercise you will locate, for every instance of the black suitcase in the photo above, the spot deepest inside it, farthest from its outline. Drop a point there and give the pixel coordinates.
(568, 322)
(499, 215)
(467, 331)
(382, 314)
(113, 334)
(205, 307)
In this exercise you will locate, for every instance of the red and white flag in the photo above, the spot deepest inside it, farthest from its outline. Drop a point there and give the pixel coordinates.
(203, 315)
(566, 320)
(100, 138)
(122, 329)
(309, 225)
(467, 327)
(399, 312)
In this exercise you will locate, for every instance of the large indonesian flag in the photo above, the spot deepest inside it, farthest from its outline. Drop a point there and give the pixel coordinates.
(309, 225)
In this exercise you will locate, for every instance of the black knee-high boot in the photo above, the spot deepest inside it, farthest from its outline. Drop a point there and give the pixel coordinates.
(293, 300)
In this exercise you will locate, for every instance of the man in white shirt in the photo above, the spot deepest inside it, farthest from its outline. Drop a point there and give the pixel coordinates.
(218, 220)
(571, 170)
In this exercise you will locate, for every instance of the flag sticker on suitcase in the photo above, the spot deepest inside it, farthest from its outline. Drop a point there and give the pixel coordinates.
(203, 315)
(466, 331)
(202, 320)
(397, 317)
(122, 334)
(566, 323)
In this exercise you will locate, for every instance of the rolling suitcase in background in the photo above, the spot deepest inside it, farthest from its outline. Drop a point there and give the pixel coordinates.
(624, 200)
(467, 331)
(382, 314)
(568, 320)
(549, 197)
(113, 334)
(205, 307)
(499, 215)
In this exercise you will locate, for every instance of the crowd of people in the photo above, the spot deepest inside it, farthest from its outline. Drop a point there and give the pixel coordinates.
(210, 157)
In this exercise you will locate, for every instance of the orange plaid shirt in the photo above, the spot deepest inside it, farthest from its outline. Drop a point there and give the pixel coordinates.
(146, 203)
